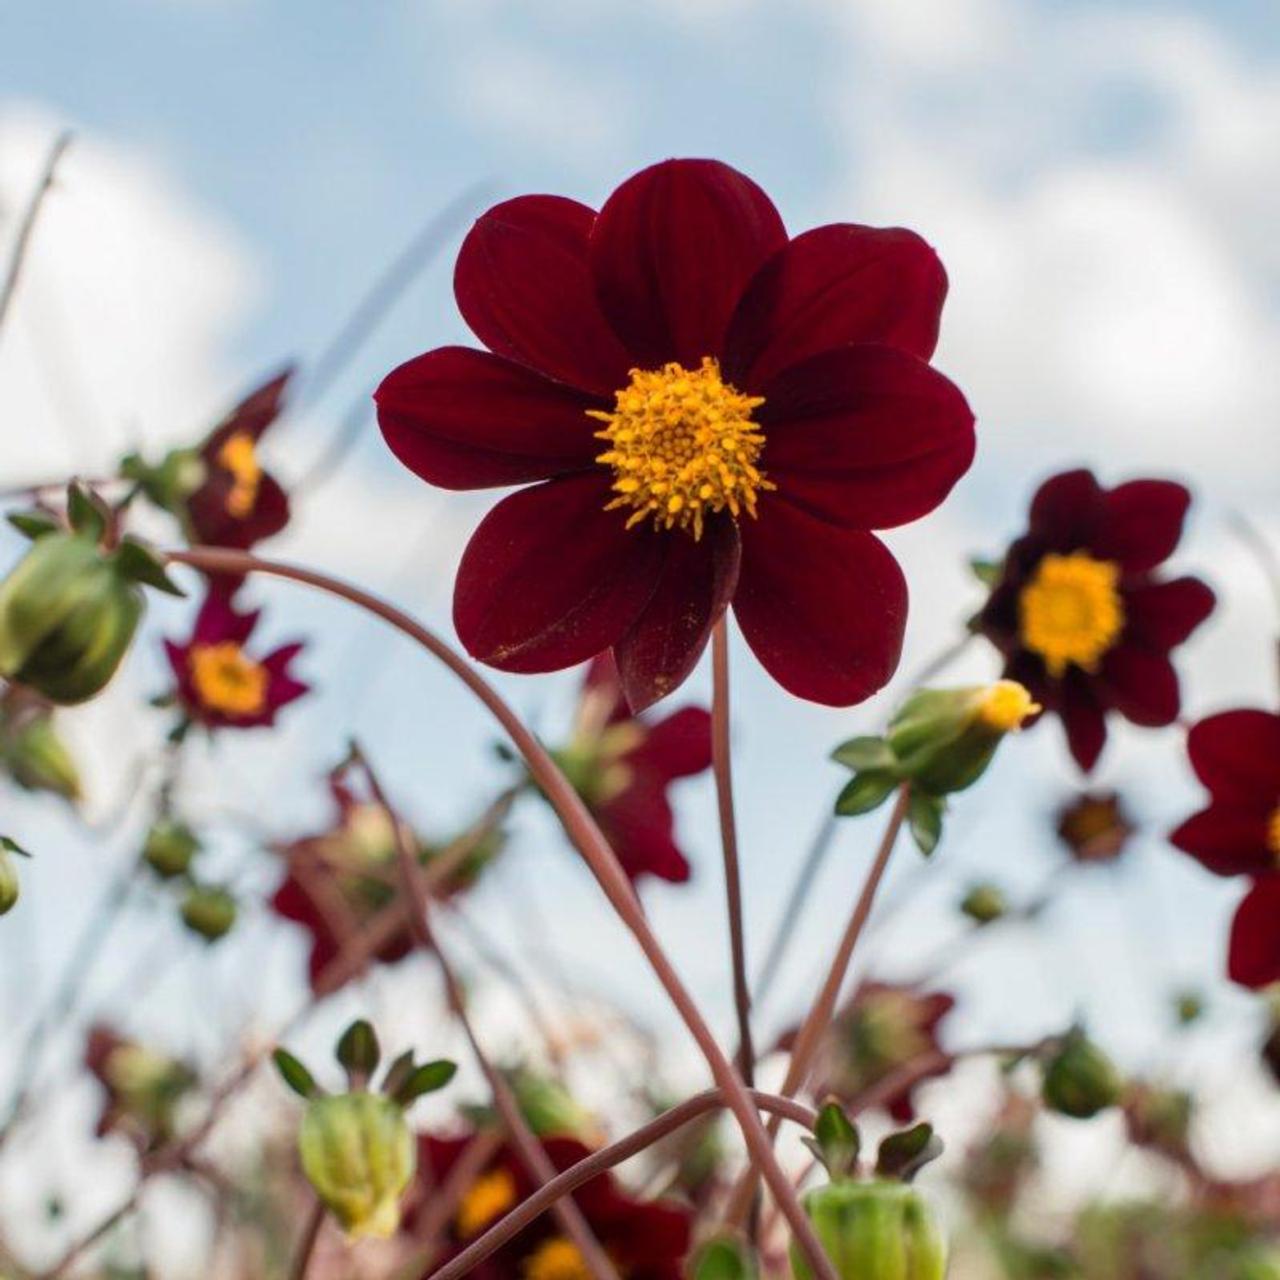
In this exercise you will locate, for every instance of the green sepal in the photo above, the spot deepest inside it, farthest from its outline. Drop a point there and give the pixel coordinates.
(295, 1075)
(358, 1052)
(140, 562)
(860, 754)
(33, 524)
(865, 792)
(397, 1073)
(425, 1079)
(902, 1155)
(836, 1141)
(87, 513)
(12, 846)
(987, 572)
(924, 817)
(724, 1258)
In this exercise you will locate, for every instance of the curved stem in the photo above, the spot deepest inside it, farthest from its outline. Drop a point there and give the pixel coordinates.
(307, 1244)
(721, 759)
(590, 842)
(606, 1158)
(23, 241)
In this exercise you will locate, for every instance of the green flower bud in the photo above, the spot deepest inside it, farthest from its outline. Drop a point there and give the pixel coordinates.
(68, 613)
(170, 846)
(10, 886)
(359, 1155)
(208, 911)
(1079, 1079)
(875, 1230)
(38, 760)
(984, 903)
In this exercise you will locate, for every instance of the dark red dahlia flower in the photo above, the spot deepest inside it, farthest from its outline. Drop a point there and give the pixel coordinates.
(1081, 618)
(1237, 756)
(646, 1240)
(1253, 958)
(237, 504)
(622, 766)
(218, 684)
(705, 413)
(142, 1087)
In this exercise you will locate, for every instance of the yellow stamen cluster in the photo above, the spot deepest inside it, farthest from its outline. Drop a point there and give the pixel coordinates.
(487, 1199)
(239, 455)
(1273, 833)
(556, 1259)
(1071, 612)
(1005, 705)
(228, 681)
(682, 445)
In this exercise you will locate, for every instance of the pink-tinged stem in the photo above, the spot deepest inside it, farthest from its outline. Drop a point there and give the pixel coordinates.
(28, 225)
(590, 842)
(307, 1244)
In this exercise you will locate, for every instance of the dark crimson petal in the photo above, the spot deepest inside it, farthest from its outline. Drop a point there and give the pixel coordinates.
(677, 746)
(640, 826)
(1141, 685)
(1254, 959)
(550, 578)
(219, 621)
(866, 437)
(1084, 719)
(822, 607)
(695, 584)
(254, 414)
(1160, 615)
(1065, 510)
(672, 251)
(1236, 754)
(282, 687)
(464, 419)
(214, 525)
(832, 287)
(1140, 523)
(1226, 840)
(523, 285)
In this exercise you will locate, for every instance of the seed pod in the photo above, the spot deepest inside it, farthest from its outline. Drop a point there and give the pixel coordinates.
(877, 1230)
(359, 1155)
(1079, 1079)
(208, 911)
(170, 847)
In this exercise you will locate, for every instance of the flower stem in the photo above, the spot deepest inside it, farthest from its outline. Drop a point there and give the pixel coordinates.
(307, 1244)
(590, 842)
(721, 757)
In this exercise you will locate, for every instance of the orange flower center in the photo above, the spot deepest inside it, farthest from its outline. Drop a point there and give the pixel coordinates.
(227, 681)
(1071, 611)
(1273, 832)
(239, 455)
(682, 444)
(556, 1259)
(487, 1199)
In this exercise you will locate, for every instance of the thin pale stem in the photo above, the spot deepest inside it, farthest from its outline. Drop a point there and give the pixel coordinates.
(27, 226)
(590, 842)
(721, 758)
(307, 1244)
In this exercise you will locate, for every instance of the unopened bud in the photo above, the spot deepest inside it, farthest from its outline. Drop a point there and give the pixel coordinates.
(359, 1155)
(38, 760)
(984, 903)
(209, 911)
(170, 847)
(1079, 1079)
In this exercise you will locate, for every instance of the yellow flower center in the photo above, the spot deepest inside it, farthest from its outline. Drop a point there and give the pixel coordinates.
(556, 1259)
(1273, 833)
(487, 1199)
(239, 455)
(227, 681)
(682, 444)
(1005, 705)
(1071, 611)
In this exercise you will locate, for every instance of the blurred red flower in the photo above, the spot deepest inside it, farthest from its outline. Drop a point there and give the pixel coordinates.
(706, 413)
(1253, 958)
(142, 1087)
(622, 765)
(646, 1240)
(219, 684)
(1079, 615)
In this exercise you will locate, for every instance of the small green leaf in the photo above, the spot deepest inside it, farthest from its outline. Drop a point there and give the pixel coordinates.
(33, 524)
(861, 754)
(903, 1155)
(141, 563)
(724, 1258)
(988, 572)
(924, 817)
(358, 1051)
(295, 1075)
(864, 792)
(86, 511)
(425, 1079)
(838, 1141)
(12, 846)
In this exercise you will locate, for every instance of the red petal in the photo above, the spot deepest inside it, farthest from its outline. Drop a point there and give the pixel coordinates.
(523, 285)
(676, 747)
(255, 413)
(641, 828)
(1141, 685)
(550, 578)
(1160, 615)
(1140, 523)
(832, 287)
(1084, 719)
(1226, 840)
(867, 437)
(695, 584)
(1255, 941)
(465, 419)
(1236, 754)
(822, 607)
(672, 251)
(1065, 509)
(218, 621)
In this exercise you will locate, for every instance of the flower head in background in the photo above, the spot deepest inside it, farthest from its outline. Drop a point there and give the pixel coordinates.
(143, 1087)
(219, 683)
(622, 766)
(1095, 827)
(705, 413)
(646, 1240)
(1079, 613)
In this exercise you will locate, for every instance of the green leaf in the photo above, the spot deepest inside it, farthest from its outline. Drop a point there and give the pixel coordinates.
(141, 563)
(295, 1075)
(903, 1155)
(864, 792)
(924, 817)
(425, 1079)
(988, 572)
(838, 1141)
(86, 511)
(33, 524)
(724, 1258)
(861, 754)
(358, 1051)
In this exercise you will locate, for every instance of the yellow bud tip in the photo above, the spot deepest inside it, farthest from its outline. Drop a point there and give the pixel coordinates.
(1006, 705)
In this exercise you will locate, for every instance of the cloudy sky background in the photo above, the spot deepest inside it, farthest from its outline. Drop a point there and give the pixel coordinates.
(1103, 184)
